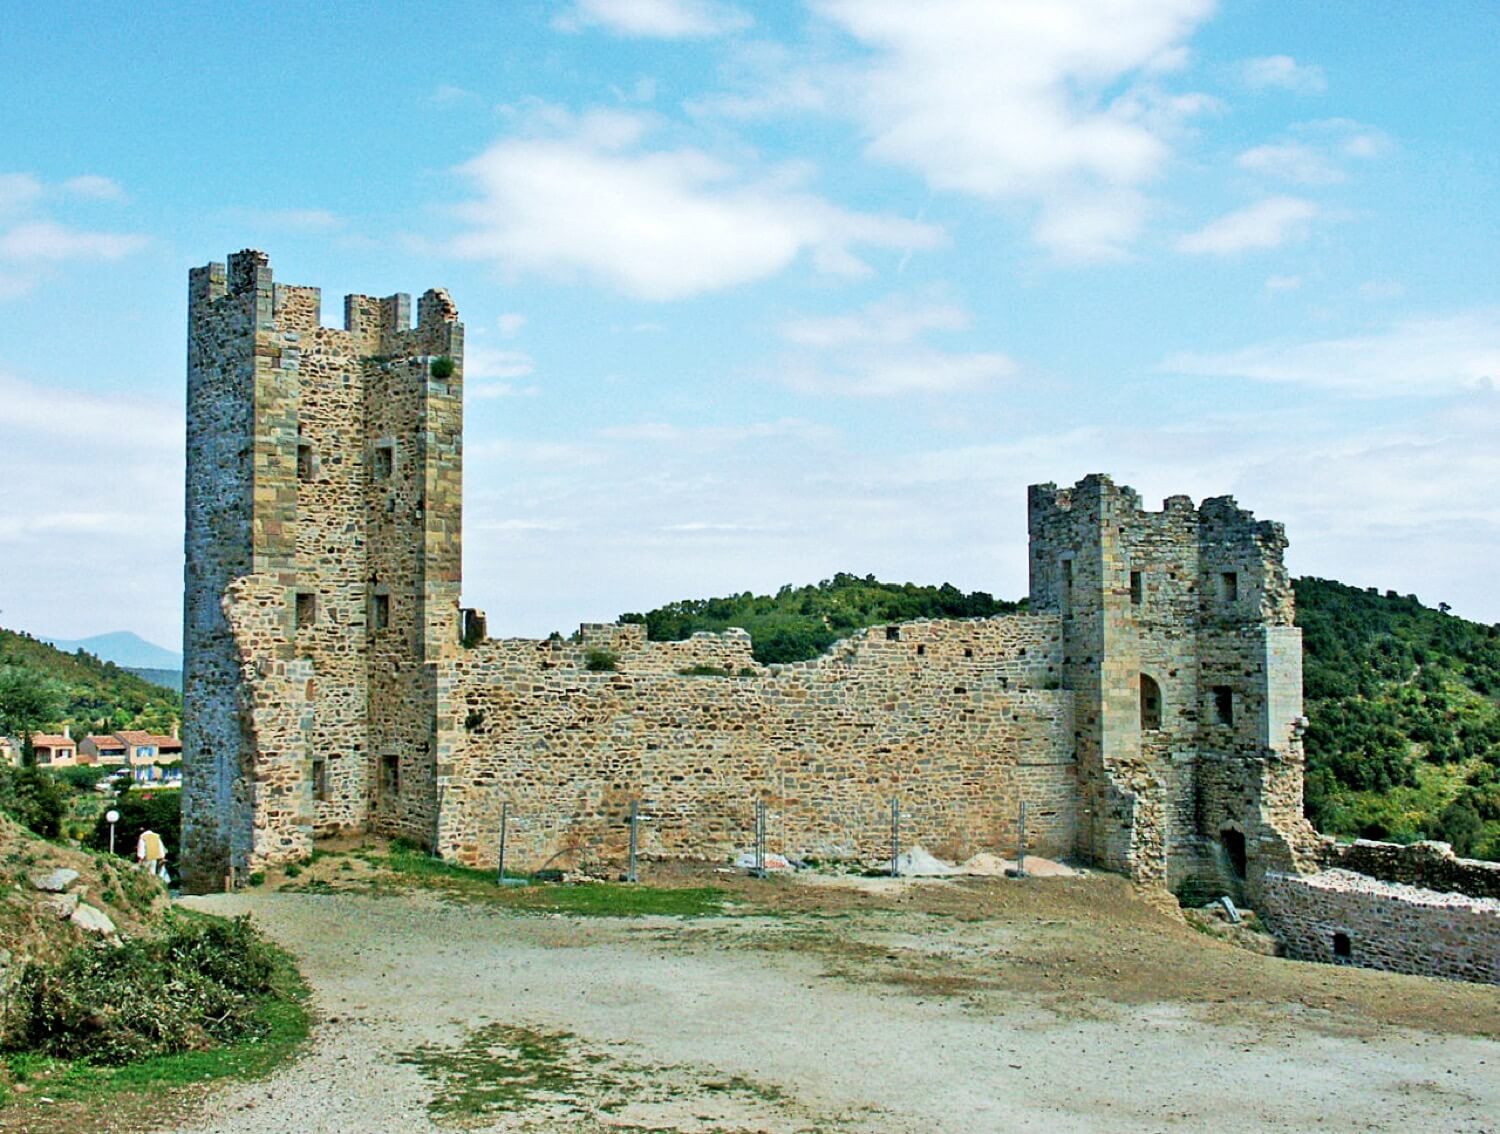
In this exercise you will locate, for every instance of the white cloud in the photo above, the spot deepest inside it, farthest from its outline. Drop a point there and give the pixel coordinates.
(1283, 72)
(713, 436)
(48, 241)
(52, 411)
(510, 323)
(94, 186)
(1283, 283)
(878, 352)
(1022, 101)
(1428, 356)
(1291, 161)
(655, 19)
(18, 192)
(657, 225)
(1316, 151)
(485, 362)
(1266, 224)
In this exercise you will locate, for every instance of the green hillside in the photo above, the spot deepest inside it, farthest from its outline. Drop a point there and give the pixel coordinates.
(1404, 709)
(93, 693)
(802, 622)
(1403, 740)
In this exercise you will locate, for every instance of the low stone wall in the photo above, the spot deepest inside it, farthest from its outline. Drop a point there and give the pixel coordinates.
(1340, 917)
(1430, 866)
(960, 721)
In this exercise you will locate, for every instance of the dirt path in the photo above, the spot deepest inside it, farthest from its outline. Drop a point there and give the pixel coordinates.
(436, 1014)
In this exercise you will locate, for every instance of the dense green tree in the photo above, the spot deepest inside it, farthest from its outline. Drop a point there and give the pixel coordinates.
(29, 702)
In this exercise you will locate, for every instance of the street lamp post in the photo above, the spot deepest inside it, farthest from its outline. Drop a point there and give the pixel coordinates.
(112, 817)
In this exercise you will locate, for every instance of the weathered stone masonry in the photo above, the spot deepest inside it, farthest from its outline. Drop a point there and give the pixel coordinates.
(1147, 707)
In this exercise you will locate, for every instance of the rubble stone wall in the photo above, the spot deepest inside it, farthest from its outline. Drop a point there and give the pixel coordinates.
(1428, 865)
(959, 721)
(1341, 917)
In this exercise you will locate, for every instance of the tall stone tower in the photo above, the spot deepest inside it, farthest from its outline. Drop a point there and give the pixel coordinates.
(323, 564)
(1178, 641)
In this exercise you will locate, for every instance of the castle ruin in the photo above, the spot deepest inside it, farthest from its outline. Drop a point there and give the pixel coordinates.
(1147, 706)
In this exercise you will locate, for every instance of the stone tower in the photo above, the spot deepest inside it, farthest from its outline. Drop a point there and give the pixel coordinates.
(1187, 670)
(323, 564)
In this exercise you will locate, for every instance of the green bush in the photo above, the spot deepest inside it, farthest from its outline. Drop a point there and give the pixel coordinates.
(442, 367)
(82, 777)
(601, 661)
(196, 986)
(34, 798)
(159, 810)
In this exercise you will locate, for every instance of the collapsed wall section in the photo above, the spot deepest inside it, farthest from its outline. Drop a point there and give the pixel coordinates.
(960, 721)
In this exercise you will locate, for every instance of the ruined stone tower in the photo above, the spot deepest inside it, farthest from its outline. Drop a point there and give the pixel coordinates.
(1186, 669)
(323, 563)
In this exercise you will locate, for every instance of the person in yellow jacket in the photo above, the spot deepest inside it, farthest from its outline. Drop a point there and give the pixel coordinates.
(149, 851)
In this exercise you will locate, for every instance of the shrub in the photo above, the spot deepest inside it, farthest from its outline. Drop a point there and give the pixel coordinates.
(82, 777)
(601, 661)
(442, 367)
(159, 810)
(34, 798)
(196, 986)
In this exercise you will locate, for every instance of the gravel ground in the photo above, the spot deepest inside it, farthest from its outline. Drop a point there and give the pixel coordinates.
(797, 1023)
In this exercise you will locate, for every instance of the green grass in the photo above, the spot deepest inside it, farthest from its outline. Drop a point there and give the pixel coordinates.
(581, 899)
(498, 1069)
(282, 1022)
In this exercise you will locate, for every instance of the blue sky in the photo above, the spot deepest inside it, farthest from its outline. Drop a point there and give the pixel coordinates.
(758, 293)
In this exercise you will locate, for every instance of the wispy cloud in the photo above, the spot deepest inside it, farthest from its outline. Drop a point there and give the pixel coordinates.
(588, 199)
(1316, 153)
(32, 243)
(94, 186)
(1266, 224)
(1284, 73)
(655, 19)
(1022, 101)
(1430, 356)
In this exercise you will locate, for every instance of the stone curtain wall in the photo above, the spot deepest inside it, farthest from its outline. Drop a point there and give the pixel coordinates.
(959, 720)
(1428, 865)
(1338, 916)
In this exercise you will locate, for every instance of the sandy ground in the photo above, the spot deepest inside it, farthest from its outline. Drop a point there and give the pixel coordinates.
(870, 1017)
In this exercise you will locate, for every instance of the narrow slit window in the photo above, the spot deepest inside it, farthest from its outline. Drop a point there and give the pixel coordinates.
(1229, 585)
(1137, 588)
(380, 612)
(385, 461)
(390, 774)
(1150, 704)
(307, 609)
(305, 463)
(1224, 704)
(320, 779)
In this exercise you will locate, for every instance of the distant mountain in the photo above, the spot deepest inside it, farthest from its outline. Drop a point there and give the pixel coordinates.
(97, 696)
(123, 648)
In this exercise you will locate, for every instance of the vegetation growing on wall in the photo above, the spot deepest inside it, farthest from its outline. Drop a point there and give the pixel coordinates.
(797, 623)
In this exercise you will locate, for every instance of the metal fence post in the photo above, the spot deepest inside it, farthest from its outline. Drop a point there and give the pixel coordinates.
(635, 814)
(760, 838)
(1021, 844)
(504, 819)
(895, 838)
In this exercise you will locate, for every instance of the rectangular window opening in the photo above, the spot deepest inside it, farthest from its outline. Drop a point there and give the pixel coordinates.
(380, 612)
(305, 463)
(320, 779)
(1229, 585)
(390, 774)
(1137, 588)
(385, 460)
(1224, 704)
(307, 609)
(893, 633)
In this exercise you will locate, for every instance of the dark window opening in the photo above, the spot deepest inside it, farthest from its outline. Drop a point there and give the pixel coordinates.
(305, 463)
(307, 609)
(1224, 704)
(1229, 586)
(1137, 589)
(1234, 849)
(390, 774)
(1342, 946)
(380, 612)
(1150, 704)
(968, 651)
(385, 461)
(320, 779)
(893, 633)
(1066, 597)
(921, 650)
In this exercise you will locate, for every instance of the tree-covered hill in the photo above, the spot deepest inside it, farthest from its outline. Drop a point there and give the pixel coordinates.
(93, 695)
(801, 622)
(1404, 709)
(1404, 735)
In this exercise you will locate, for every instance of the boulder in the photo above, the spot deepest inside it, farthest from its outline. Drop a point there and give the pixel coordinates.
(54, 881)
(62, 905)
(92, 920)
